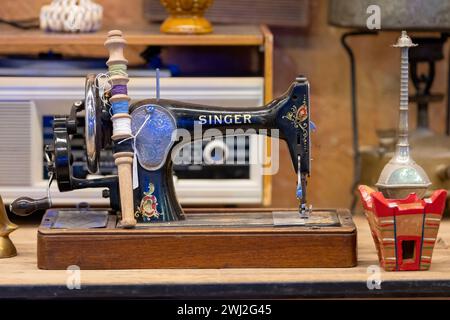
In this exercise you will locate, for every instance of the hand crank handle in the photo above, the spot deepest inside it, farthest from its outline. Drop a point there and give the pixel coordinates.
(25, 206)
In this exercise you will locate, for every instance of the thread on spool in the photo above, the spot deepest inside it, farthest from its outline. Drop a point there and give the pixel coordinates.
(104, 85)
(123, 145)
(118, 70)
(119, 89)
(120, 107)
(122, 126)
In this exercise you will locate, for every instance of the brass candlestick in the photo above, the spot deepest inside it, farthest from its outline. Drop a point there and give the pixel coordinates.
(7, 248)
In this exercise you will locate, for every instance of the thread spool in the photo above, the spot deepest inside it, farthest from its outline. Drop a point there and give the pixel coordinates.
(118, 80)
(119, 89)
(119, 97)
(118, 69)
(121, 126)
(119, 107)
(115, 44)
(124, 161)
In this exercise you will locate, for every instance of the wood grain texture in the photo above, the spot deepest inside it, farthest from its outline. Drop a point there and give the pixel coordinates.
(124, 163)
(217, 246)
(21, 277)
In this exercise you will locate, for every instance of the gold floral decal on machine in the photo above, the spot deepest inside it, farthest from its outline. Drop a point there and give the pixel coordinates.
(297, 116)
(149, 204)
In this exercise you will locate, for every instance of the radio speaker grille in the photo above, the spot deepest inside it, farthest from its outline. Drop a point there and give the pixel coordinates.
(15, 143)
(283, 13)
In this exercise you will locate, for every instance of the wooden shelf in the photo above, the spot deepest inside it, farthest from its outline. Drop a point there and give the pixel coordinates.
(20, 277)
(223, 35)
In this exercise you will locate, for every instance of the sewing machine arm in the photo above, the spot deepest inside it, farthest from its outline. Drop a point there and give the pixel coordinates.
(155, 121)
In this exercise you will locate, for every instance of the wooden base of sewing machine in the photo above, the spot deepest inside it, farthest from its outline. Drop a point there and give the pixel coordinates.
(208, 238)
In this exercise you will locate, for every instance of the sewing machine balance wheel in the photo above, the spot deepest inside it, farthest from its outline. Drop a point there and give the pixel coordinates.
(93, 131)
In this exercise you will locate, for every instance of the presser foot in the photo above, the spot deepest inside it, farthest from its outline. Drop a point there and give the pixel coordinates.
(304, 211)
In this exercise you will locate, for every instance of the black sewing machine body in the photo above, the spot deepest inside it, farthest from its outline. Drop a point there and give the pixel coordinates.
(155, 198)
(160, 127)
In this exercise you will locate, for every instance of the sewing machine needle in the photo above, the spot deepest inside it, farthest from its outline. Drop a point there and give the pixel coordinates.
(300, 187)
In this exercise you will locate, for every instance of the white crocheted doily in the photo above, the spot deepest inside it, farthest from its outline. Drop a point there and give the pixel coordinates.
(71, 16)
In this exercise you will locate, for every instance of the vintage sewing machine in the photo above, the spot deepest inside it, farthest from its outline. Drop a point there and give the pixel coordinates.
(145, 227)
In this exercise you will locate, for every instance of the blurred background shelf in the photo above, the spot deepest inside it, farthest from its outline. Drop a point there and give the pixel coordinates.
(224, 35)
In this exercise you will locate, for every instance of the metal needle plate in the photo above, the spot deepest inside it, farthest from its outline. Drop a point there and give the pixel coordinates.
(315, 219)
(76, 219)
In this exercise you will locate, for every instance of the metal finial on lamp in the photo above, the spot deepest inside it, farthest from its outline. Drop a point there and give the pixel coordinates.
(402, 175)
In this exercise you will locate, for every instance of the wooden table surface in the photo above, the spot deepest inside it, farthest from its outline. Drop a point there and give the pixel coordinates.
(19, 277)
